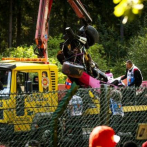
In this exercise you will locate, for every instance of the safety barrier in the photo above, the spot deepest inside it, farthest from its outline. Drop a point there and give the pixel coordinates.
(66, 118)
(123, 109)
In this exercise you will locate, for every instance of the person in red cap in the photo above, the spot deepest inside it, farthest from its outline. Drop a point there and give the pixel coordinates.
(103, 136)
(144, 144)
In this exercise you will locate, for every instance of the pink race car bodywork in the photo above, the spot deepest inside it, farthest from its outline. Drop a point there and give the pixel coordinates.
(94, 83)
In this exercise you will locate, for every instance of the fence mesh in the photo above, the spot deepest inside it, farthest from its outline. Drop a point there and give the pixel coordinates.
(122, 109)
(26, 117)
(66, 118)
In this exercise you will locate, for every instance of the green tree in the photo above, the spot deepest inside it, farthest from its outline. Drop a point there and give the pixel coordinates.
(98, 55)
(138, 51)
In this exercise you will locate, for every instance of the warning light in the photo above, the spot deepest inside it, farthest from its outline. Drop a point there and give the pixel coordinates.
(26, 59)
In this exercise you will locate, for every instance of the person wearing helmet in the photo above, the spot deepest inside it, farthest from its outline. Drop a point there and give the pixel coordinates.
(103, 136)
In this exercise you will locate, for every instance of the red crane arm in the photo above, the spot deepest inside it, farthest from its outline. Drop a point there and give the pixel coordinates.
(42, 27)
(41, 36)
(80, 10)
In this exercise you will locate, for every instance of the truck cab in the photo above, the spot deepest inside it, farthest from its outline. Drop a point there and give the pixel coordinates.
(25, 96)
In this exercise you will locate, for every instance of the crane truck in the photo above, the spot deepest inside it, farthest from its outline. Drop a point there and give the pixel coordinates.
(25, 82)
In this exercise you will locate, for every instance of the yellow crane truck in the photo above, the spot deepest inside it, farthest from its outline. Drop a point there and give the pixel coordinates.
(24, 95)
(25, 83)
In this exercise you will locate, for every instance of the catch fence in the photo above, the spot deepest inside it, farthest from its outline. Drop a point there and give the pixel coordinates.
(66, 118)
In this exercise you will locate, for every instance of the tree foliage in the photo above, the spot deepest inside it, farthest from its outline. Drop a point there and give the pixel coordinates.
(127, 8)
(97, 53)
(117, 42)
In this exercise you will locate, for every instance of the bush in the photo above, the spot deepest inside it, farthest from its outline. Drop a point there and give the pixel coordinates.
(28, 52)
(119, 69)
(98, 55)
(20, 52)
(53, 48)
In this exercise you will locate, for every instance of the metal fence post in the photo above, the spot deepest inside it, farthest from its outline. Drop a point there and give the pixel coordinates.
(59, 111)
(104, 105)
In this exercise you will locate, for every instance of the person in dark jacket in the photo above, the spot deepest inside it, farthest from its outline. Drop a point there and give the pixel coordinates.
(133, 75)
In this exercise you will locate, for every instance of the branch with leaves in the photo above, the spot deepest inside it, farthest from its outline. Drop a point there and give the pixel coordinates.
(128, 9)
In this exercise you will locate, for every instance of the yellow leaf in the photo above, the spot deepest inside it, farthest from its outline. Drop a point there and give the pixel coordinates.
(135, 11)
(138, 6)
(116, 1)
(119, 10)
(136, 1)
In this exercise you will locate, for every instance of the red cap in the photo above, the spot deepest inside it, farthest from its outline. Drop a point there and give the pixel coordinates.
(144, 144)
(103, 136)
